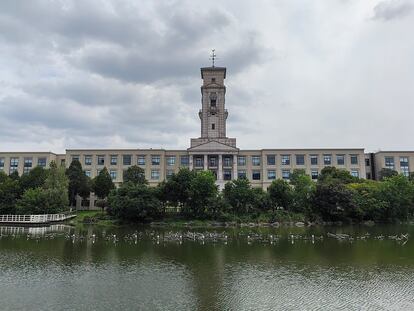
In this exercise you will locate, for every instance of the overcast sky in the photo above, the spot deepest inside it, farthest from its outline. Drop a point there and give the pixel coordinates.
(126, 74)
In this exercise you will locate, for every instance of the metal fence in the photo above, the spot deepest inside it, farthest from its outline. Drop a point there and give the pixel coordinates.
(46, 218)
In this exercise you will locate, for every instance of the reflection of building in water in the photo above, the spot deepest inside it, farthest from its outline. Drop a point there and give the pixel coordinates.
(10, 230)
(216, 152)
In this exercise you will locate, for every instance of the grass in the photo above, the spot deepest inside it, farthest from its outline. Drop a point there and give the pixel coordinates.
(98, 218)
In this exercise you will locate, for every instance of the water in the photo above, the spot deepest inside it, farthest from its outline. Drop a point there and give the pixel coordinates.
(63, 268)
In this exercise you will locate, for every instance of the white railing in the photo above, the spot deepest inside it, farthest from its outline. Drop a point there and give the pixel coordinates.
(36, 219)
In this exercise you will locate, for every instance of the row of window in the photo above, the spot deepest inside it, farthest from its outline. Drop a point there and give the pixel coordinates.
(285, 159)
(155, 174)
(127, 159)
(27, 164)
(404, 164)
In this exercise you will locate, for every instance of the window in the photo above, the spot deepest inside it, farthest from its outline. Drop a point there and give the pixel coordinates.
(227, 161)
(27, 166)
(170, 173)
(88, 160)
(314, 174)
(184, 160)
(155, 160)
(113, 174)
(170, 160)
(1, 164)
(155, 174)
(367, 162)
(355, 173)
(101, 160)
(126, 159)
(88, 173)
(271, 174)
(300, 159)
(255, 160)
(285, 159)
(404, 166)
(199, 161)
(213, 126)
(241, 160)
(241, 174)
(41, 162)
(340, 159)
(354, 159)
(75, 157)
(114, 159)
(213, 103)
(141, 160)
(286, 174)
(98, 171)
(271, 159)
(256, 175)
(213, 161)
(213, 79)
(314, 159)
(14, 164)
(327, 159)
(389, 162)
(227, 174)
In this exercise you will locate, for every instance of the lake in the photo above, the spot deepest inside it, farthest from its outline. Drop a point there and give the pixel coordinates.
(288, 268)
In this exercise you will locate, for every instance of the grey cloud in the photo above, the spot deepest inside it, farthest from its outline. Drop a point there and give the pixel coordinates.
(392, 9)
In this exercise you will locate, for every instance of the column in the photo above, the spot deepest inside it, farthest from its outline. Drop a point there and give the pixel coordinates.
(220, 168)
(190, 162)
(205, 162)
(234, 167)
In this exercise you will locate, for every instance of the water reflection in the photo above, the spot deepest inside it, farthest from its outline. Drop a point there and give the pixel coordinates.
(217, 269)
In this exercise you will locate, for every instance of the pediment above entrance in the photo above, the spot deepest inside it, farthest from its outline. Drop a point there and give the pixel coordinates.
(213, 146)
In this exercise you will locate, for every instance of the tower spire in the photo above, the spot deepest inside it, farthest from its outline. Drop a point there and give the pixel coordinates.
(213, 57)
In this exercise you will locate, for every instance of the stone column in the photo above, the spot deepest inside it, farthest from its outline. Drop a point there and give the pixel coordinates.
(205, 162)
(220, 168)
(190, 162)
(234, 167)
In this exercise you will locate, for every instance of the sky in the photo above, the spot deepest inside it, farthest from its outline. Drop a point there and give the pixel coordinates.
(126, 73)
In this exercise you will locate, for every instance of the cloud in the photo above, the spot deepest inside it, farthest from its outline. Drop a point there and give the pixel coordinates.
(392, 9)
(126, 74)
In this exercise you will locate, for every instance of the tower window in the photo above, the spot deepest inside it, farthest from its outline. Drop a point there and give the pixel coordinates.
(213, 126)
(213, 79)
(213, 103)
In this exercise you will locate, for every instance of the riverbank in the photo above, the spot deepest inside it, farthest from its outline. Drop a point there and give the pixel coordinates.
(98, 218)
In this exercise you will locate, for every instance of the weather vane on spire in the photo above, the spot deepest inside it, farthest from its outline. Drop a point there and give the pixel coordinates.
(213, 56)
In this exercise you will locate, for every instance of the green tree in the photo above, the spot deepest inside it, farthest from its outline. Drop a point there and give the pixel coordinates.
(56, 189)
(33, 201)
(240, 196)
(134, 202)
(34, 179)
(15, 175)
(9, 194)
(103, 184)
(202, 189)
(333, 174)
(369, 205)
(176, 190)
(280, 194)
(136, 175)
(386, 172)
(79, 183)
(303, 189)
(398, 192)
(333, 201)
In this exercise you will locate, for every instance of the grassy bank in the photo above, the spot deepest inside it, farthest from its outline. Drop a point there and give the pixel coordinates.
(98, 218)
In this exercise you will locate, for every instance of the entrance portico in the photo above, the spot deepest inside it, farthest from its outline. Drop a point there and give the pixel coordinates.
(218, 158)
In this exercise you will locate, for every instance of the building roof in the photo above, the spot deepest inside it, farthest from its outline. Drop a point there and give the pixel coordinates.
(213, 69)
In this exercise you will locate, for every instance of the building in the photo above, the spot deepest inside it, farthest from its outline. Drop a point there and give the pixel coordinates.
(216, 152)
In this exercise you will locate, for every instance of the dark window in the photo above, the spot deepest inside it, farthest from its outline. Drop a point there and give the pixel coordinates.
(155, 160)
(101, 160)
(213, 79)
(300, 159)
(41, 162)
(340, 159)
(314, 159)
(213, 103)
(126, 159)
(354, 159)
(367, 162)
(256, 175)
(184, 160)
(213, 126)
(227, 174)
(271, 159)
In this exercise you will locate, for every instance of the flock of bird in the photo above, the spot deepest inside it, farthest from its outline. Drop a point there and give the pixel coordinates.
(210, 237)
